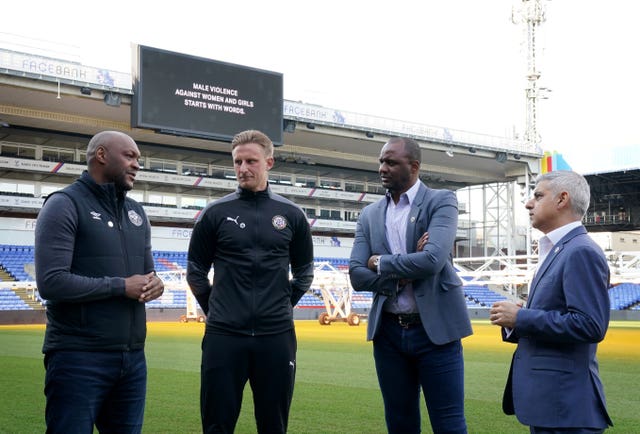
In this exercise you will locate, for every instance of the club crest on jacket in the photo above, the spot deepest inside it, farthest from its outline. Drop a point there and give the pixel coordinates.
(135, 218)
(279, 222)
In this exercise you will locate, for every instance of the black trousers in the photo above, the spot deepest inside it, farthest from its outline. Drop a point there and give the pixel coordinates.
(228, 361)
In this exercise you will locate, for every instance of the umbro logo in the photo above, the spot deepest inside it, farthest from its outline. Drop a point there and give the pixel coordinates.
(95, 215)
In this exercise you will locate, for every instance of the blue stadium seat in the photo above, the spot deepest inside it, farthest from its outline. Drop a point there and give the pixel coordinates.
(624, 296)
(481, 295)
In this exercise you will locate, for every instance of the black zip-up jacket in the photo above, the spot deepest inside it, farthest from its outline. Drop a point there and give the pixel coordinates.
(88, 239)
(250, 239)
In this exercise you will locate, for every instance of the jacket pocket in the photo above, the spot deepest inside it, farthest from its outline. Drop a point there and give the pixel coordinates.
(552, 363)
(449, 279)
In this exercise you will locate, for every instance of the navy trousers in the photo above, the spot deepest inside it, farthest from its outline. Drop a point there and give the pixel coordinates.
(407, 361)
(106, 389)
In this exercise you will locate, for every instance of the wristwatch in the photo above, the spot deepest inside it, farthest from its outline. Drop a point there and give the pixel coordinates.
(376, 263)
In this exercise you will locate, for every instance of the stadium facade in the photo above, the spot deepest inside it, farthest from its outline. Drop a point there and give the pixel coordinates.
(327, 163)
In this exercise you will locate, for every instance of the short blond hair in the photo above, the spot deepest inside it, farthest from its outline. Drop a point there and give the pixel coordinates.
(253, 136)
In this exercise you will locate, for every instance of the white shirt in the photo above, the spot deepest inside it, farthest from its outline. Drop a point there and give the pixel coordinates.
(546, 242)
(544, 247)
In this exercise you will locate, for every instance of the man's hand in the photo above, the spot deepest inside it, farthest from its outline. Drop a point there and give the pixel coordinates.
(422, 242)
(419, 246)
(143, 288)
(153, 289)
(504, 313)
(371, 263)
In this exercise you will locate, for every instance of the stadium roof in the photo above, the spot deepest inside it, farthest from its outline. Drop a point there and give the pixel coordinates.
(39, 109)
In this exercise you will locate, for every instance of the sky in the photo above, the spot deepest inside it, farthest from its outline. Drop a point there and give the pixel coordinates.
(459, 64)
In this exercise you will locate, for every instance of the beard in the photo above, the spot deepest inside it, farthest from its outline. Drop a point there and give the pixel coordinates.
(121, 182)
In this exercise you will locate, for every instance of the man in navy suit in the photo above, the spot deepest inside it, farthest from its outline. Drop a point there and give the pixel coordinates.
(402, 253)
(553, 384)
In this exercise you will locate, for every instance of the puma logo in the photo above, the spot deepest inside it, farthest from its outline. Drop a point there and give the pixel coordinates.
(235, 220)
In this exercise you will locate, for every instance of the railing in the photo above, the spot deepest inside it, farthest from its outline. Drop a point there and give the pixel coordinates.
(624, 266)
(604, 218)
(512, 273)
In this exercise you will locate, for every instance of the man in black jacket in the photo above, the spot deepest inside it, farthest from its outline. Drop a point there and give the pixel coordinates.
(250, 237)
(95, 269)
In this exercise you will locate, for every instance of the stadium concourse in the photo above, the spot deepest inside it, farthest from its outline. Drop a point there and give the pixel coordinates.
(326, 161)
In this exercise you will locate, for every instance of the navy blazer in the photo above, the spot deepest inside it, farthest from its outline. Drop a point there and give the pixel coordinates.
(554, 380)
(437, 287)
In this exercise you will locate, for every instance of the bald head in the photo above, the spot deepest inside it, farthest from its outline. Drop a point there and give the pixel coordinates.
(104, 138)
(112, 157)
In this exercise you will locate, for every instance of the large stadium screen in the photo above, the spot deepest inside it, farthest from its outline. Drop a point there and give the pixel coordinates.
(193, 96)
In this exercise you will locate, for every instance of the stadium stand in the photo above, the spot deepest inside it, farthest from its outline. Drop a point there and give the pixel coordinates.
(327, 164)
(13, 259)
(310, 300)
(16, 259)
(9, 300)
(168, 261)
(338, 263)
(172, 298)
(625, 296)
(361, 300)
(481, 296)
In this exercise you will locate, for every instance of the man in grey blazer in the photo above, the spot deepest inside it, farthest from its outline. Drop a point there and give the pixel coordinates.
(402, 253)
(553, 384)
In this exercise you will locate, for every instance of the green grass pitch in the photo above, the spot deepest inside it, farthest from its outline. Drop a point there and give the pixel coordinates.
(336, 387)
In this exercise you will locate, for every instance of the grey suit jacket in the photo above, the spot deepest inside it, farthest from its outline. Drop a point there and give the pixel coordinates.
(437, 287)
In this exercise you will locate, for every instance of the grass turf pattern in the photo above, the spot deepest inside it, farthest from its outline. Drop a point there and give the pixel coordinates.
(336, 387)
